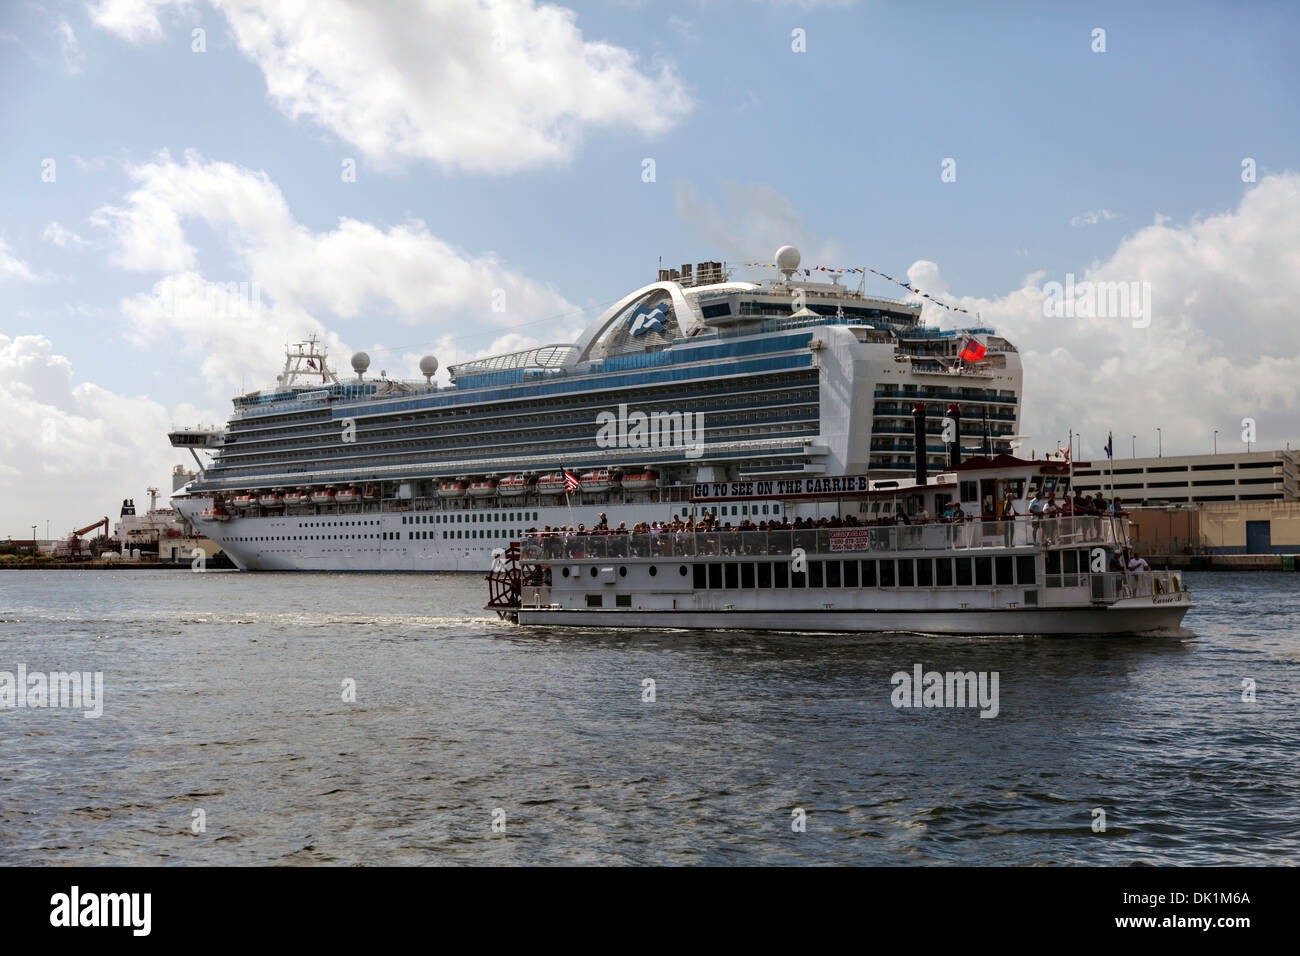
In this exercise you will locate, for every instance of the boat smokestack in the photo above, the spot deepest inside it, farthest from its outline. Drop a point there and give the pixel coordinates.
(918, 430)
(954, 446)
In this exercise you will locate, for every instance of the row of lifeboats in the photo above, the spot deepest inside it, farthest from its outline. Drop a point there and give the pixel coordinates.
(551, 483)
(308, 496)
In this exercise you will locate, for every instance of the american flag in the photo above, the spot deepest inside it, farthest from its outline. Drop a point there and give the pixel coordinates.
(570, 481)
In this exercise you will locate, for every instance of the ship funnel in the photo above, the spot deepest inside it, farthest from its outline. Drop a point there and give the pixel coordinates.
(918, 430)
(954, 446)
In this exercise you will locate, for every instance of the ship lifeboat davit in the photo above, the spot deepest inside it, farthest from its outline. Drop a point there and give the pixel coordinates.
(322, 496)
(244, 502)
(600, 480)
(348, 496)
(371, 493)
(452, 489)
(551, 483)
(296, 498)
(483, 488)
(214, 514)
(270, 500)
(514, 485)
(640, 480)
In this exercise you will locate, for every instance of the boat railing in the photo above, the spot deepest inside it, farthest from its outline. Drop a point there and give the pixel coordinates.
(940, 535)
(1117, 585)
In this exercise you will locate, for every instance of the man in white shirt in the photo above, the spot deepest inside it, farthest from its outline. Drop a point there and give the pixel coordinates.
(1138, 563)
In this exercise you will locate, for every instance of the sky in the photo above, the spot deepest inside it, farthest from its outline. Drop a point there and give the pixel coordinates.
(185, 186)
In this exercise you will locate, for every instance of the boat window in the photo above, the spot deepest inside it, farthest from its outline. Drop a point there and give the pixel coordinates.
(815, 576)
(715, 576)
(1053, 562)
(964, 576)
(1002, 567)
(764, 574)
(732, 576)
(868, 574)
(798, 579)
(886, 573)
(924, 572)
(833, 574)
(983, 572)
(943, 572)
(747, 575)
(1025, 569)
(781, 574)
(906, 573)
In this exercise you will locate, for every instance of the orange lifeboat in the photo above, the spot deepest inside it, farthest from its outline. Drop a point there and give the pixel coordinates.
(296, 498)
(322, 496)
(348, 496)
(452, 489)
(483, 488)
(600, 480)
(514, 485)
(270, 499)
(641, 480)
(551, 483)
(244, 502)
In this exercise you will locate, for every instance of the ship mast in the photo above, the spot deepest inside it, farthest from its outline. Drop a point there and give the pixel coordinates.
(305, 360)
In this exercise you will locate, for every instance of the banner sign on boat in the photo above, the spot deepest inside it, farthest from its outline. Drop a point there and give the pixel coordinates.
(849, 539)
(781, 488)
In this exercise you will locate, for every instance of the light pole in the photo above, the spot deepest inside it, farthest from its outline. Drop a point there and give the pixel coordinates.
(1216, 441)
(1160, 443)
(1135, 447)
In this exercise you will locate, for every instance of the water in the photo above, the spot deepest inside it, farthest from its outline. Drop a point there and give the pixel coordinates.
(224, 694)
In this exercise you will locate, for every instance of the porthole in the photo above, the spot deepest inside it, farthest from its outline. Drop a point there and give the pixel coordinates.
(622, 572)
(564, 572)
(593, 570)
(653, 570)
(682, 570)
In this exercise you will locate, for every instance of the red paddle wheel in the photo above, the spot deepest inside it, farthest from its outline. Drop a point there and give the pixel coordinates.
(504, 584)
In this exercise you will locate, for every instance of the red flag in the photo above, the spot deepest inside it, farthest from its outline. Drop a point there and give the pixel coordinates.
(973, 351)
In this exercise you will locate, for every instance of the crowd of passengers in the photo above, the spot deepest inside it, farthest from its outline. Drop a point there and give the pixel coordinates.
(1040, 506)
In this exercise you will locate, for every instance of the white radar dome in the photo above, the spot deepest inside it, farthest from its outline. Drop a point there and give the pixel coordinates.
(428, 365)
(787, 260)
(360, 362)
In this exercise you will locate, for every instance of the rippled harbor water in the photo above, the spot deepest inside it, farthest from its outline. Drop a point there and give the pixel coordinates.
(223, 693)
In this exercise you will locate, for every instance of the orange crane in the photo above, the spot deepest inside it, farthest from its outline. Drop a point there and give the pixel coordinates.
(74, 547)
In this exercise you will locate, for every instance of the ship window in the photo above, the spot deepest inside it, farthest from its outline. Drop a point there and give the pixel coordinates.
(1025, 569)
(564, 572)
(1071, 559)
(832, 574)
(747, 576)
(764, 574)
(886, 570)
(983, 572)
(682, 570)
(924, 572)
(963, 572)
(653, 570)
(1053, 562)
(622, 600)
(781, 574)
(868, 574)
(816, 579)
(715, 576)
(906, 577)
(798, 579)
(850, 574)
(943, 572)
(593, 570)
(1002, 569)
(622, 572)
(595, 600)
(701, 576)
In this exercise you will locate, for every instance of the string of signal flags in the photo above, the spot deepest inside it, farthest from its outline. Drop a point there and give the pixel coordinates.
(809, 270)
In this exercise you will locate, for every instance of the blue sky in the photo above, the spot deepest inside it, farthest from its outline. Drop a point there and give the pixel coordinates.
(1127, 163)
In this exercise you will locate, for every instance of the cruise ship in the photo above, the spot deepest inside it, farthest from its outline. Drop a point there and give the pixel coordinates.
(695, 377)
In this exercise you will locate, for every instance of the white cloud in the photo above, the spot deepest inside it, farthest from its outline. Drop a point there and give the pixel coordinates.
(356, 269)
(73, 55)
(1092, 217)
(1221, 345)
(11, 267)
(72, 450)
(485, 85)
(683, 27)
(61, 237)
(136, 21)
(750, 222)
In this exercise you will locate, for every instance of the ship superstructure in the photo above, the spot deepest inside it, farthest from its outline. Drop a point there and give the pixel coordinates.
(694, 377)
